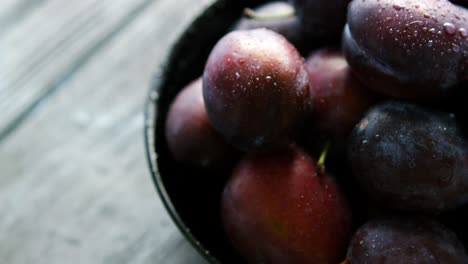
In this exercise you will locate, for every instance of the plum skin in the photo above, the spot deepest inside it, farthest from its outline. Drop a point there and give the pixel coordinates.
(190, 137)
(339, 100)
(410, 157)
(277, 209)
(405, 240)
(255, 84)
(321, 20)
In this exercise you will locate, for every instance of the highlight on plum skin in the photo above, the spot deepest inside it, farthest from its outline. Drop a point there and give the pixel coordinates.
(189, 135)
(412, 49)
(277, 16)
(255, 84)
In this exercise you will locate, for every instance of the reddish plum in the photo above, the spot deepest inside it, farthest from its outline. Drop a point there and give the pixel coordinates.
(189, 135)
(338, 99)
(279, 208)
(255, 84)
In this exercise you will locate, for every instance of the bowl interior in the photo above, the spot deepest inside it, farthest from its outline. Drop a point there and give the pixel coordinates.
(191, 196)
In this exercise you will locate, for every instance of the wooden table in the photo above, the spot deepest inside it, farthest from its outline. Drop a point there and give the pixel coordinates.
(75, 186)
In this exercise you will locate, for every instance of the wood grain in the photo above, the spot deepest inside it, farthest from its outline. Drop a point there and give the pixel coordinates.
(74, 186)
(42, 50)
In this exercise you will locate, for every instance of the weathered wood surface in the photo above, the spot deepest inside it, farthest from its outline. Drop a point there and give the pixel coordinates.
(74, 186)
(50, 42)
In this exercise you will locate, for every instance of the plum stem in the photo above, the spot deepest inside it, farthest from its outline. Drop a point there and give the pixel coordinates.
(323, 156)
(255, 15)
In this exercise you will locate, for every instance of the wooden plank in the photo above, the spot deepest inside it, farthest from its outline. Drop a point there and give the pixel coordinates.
(13, 11)
(49, 45)
(75, 187)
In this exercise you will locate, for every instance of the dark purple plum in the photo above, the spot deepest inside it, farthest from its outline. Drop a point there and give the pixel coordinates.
(410, 157)
(395, 240)
(278, 207)
(276, 16)
(255, 84)
(189, 135)
(320, 19)
(408, 49)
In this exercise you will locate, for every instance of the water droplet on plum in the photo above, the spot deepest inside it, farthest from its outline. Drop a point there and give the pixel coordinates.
(430, 43)
(398, 7)
(449, 28)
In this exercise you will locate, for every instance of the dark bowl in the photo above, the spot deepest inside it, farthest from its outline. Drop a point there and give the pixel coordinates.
(190, 195)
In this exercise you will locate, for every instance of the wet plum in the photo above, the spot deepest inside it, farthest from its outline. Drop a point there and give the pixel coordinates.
(408, 49)
(255, 84)
(279, 208)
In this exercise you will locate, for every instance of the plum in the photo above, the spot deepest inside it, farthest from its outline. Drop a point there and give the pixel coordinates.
(395, 240)
(410, 157)
(277, 16)
(189, 135)
(255, 84)
(408, 49)
(279, 207)
(321, 20)
(339, 100)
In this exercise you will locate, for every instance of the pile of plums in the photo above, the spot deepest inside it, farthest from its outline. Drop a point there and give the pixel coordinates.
(381, 102)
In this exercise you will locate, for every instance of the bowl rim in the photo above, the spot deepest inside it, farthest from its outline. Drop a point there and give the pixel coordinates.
(150, 115)
(150, 112)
